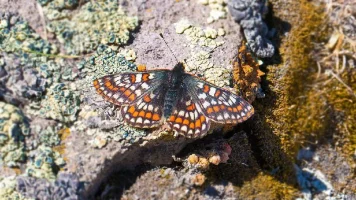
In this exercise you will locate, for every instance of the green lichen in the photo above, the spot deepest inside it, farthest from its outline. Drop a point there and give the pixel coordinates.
(59, 4)
(57, 70)
(104, 62)
(99, 22)
(13, 130)
(123, 134)
(60, 103)
(26, 50)
(48, 136)
(218, 9)
(17, 36)
(101, 136)
(202, 44)
(197, 35)
(45, 163)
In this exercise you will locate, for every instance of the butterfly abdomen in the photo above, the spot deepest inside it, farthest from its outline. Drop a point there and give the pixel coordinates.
(169, 102)
(175, 84)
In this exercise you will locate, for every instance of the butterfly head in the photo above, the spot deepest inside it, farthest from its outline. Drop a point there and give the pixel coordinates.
(179, 67)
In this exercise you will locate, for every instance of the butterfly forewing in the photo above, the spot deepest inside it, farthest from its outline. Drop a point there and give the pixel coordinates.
(187, 117)
(127, 88)
(218, 104)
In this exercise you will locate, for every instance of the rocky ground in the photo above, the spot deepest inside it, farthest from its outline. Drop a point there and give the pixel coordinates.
(293, 60)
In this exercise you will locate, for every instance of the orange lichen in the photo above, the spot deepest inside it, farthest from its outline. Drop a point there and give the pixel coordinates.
(246, 73)
(141, 67)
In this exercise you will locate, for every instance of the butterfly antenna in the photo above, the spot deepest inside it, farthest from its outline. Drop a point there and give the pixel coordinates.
(161, 35)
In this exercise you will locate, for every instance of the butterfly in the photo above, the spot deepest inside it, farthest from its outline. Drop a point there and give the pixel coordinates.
(185, 102)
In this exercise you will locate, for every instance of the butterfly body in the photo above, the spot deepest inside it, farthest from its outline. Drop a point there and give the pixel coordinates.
(183, 101)
(175, 88)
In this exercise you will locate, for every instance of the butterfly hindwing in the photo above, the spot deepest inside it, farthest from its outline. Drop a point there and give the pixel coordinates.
(126, 88)
(218, 104)
(187, 117)
(146, 112)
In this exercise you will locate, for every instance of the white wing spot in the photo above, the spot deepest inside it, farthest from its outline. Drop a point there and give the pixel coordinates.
(116, 96)
(150, 107)
(181, 113)
(147, 121)
(191, 115)
(213, 102)
(176, 126)
(232, 99)
(202, 96)
(138, 92)
(212, 91)
(144, 85)
(184, 128)
(220, 117)
(206, 104)
(195, 114)
(140, 106)
(138, 78)
(188, 103)
(139, 120)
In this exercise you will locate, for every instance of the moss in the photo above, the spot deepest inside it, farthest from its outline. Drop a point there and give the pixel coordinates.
(289, 116)
(311, 107)
(296, 116)
(265, 186)
(342, 104)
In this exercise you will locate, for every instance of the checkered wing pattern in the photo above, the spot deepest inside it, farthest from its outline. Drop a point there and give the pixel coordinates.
(146, 112)
(127, 88)
(218, 104)
(140, 95)
(187, 117)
